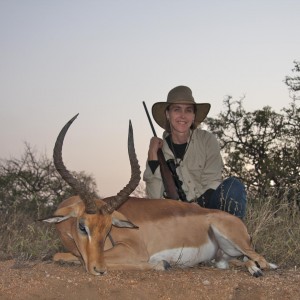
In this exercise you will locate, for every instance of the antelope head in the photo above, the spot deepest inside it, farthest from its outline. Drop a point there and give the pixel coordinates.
(84, 222)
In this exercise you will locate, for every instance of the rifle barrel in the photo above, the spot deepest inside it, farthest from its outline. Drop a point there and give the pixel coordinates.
(149, 119)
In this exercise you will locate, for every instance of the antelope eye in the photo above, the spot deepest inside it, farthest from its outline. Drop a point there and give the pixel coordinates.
(82, 228)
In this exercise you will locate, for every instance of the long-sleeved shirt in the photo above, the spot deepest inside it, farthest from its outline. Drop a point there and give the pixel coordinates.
(200, 169)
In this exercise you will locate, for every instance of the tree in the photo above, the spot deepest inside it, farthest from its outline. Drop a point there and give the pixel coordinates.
(294, 82)
(261, 147)
(32, 184)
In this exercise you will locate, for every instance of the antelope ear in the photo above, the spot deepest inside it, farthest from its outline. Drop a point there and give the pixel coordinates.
(55, 219)
(66, 212)
(119, 220)
(123, 223)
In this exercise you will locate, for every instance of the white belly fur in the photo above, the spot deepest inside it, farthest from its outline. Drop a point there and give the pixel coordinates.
(185, 256)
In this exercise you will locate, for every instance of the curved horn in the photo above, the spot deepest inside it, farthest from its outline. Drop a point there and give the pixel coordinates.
(78, 187)
(122, 196)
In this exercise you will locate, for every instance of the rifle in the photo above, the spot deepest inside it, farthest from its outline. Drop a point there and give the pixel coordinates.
(177, 181)
(168, 177)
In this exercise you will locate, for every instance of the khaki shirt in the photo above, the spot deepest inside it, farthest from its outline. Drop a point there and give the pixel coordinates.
(200, 170)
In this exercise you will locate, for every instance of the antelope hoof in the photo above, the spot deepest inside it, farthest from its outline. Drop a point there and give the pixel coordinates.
(256, 272)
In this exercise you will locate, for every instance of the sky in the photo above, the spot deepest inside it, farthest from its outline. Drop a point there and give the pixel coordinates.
(101, 59)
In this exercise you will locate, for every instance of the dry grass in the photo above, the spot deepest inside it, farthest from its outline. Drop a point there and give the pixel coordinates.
(275, 230)
(23, 238)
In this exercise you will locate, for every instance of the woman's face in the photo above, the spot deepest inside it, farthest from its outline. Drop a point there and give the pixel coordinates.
(181, 117)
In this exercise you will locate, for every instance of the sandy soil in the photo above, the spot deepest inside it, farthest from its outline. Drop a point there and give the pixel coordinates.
(48, 280)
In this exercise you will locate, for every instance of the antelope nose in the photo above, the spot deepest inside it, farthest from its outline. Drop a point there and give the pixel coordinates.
(100, 271)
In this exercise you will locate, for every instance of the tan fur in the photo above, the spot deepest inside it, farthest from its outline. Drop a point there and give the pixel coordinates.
(163, 225)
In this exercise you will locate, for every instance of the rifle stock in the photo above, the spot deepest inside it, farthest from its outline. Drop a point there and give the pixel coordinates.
(167, 177)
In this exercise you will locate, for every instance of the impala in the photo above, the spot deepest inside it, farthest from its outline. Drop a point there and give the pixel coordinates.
(129, 233)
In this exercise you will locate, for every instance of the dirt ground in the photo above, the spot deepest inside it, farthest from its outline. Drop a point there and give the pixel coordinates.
(48, 280)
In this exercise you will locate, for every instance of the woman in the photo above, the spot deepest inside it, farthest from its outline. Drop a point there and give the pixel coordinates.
(196, 155)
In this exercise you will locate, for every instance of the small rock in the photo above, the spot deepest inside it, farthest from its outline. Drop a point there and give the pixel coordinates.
(206, 282)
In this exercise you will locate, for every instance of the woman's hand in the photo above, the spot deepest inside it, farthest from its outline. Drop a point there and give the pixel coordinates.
(155, 144)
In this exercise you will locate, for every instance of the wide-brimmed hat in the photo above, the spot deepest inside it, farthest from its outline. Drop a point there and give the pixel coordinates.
(180, 95)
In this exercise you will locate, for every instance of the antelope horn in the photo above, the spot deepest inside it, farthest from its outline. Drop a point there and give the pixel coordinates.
(79, 188)
(116, 201)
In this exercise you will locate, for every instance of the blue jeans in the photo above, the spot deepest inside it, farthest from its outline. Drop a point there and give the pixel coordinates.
(229, 196)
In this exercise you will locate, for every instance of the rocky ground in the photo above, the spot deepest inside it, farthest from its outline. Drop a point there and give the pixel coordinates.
(48, 280)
